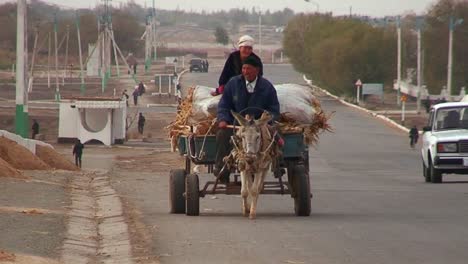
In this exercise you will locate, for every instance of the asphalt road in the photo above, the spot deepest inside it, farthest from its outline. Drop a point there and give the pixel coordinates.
(370, 204)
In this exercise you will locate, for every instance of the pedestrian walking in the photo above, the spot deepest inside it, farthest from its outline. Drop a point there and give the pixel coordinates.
(141, 123)
(427, 104)
(141, 88)
(413, 135)
(78, 152)
(125, 96)
(35, 129)
(132, 63)
(135, 96)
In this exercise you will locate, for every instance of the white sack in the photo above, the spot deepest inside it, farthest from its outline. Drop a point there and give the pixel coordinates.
(204, 105)
(295, 100)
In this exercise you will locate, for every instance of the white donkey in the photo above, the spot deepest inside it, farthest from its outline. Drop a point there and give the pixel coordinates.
(253, 152)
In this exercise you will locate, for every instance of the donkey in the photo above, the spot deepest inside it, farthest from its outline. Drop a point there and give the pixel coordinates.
(253, 152)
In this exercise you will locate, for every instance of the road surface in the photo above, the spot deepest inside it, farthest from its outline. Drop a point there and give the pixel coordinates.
(370, 204)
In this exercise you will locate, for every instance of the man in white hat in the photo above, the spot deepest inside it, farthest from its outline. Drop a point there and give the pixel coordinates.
(233, 65)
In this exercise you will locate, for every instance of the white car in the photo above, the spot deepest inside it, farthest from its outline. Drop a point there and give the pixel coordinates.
(445, 141)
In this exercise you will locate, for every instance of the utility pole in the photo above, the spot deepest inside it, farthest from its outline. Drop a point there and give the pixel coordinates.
(418, 104)
(452, 26)
(66, 55)
(21, 117)
(82, 86)
(154, 39)
(57, 89)
(31, 71)
(259, 32)
(399, 60)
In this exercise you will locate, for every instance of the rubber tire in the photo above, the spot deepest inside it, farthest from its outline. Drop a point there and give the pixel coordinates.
(176, 191)
(426, 173)
(436, 175)
(302, 199)
(192, 195)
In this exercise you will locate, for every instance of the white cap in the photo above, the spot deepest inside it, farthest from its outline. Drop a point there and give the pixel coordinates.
(245, 40)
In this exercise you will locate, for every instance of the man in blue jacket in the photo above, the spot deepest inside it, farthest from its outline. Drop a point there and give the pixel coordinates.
(248, 93)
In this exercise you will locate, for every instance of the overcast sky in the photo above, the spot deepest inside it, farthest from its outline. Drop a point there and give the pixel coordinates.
(338, 7)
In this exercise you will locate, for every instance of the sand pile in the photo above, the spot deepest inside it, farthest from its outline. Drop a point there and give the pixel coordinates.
(54, 159)
(6, 170)
(19, 157)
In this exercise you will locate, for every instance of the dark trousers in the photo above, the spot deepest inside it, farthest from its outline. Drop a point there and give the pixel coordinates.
(413, 141)
(140, 129)
(135, 99)
(134, 69)
(78, 160)
(223, 148)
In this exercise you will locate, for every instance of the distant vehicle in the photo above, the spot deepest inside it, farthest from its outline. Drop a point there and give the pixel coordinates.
(196, 65)
(445, 141)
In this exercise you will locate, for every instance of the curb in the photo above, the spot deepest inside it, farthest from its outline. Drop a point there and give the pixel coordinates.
(374, 114)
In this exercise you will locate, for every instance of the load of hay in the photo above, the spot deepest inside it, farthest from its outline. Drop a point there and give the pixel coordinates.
(300, 112)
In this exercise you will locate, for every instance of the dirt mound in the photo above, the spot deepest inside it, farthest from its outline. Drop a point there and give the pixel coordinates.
(54, 159)
(19, 157)
(6, 170)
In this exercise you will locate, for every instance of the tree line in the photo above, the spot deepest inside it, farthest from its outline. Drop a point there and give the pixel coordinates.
(128, 22)
(336, 51)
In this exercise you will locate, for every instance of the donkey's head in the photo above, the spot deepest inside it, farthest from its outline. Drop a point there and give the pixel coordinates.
(250, 132)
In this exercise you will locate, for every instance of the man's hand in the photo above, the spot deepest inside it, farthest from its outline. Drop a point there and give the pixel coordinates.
(218, 91)
(222, 124)
(214, 93)
(281, 142)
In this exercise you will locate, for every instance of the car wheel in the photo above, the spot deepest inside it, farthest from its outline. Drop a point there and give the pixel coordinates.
(436, 174)
(426, 173)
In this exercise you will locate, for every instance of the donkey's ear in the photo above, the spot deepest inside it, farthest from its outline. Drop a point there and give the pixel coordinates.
(242, 121)
(264, 119)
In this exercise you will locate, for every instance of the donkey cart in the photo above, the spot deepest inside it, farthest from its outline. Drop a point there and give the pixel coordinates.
(185, 192)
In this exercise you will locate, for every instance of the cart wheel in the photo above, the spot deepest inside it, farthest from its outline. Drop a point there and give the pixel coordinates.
(176, 191)
(302, 206)
(192, 195)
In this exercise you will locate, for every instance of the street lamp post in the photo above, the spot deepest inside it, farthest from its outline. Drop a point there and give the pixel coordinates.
(452, 25)
(398, 60)
(419, 24)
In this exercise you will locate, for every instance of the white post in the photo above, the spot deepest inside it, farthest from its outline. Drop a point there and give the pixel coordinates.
(403, 108)
(418, 106)
(281, 58)
(450, 61)
(399, 61)
(170, 85)
(358, 94)
(13, 71)
(183, 62)
(160, 84)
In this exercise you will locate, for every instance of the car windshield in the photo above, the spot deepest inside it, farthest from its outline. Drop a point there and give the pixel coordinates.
(195, 62)
(452, 118)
